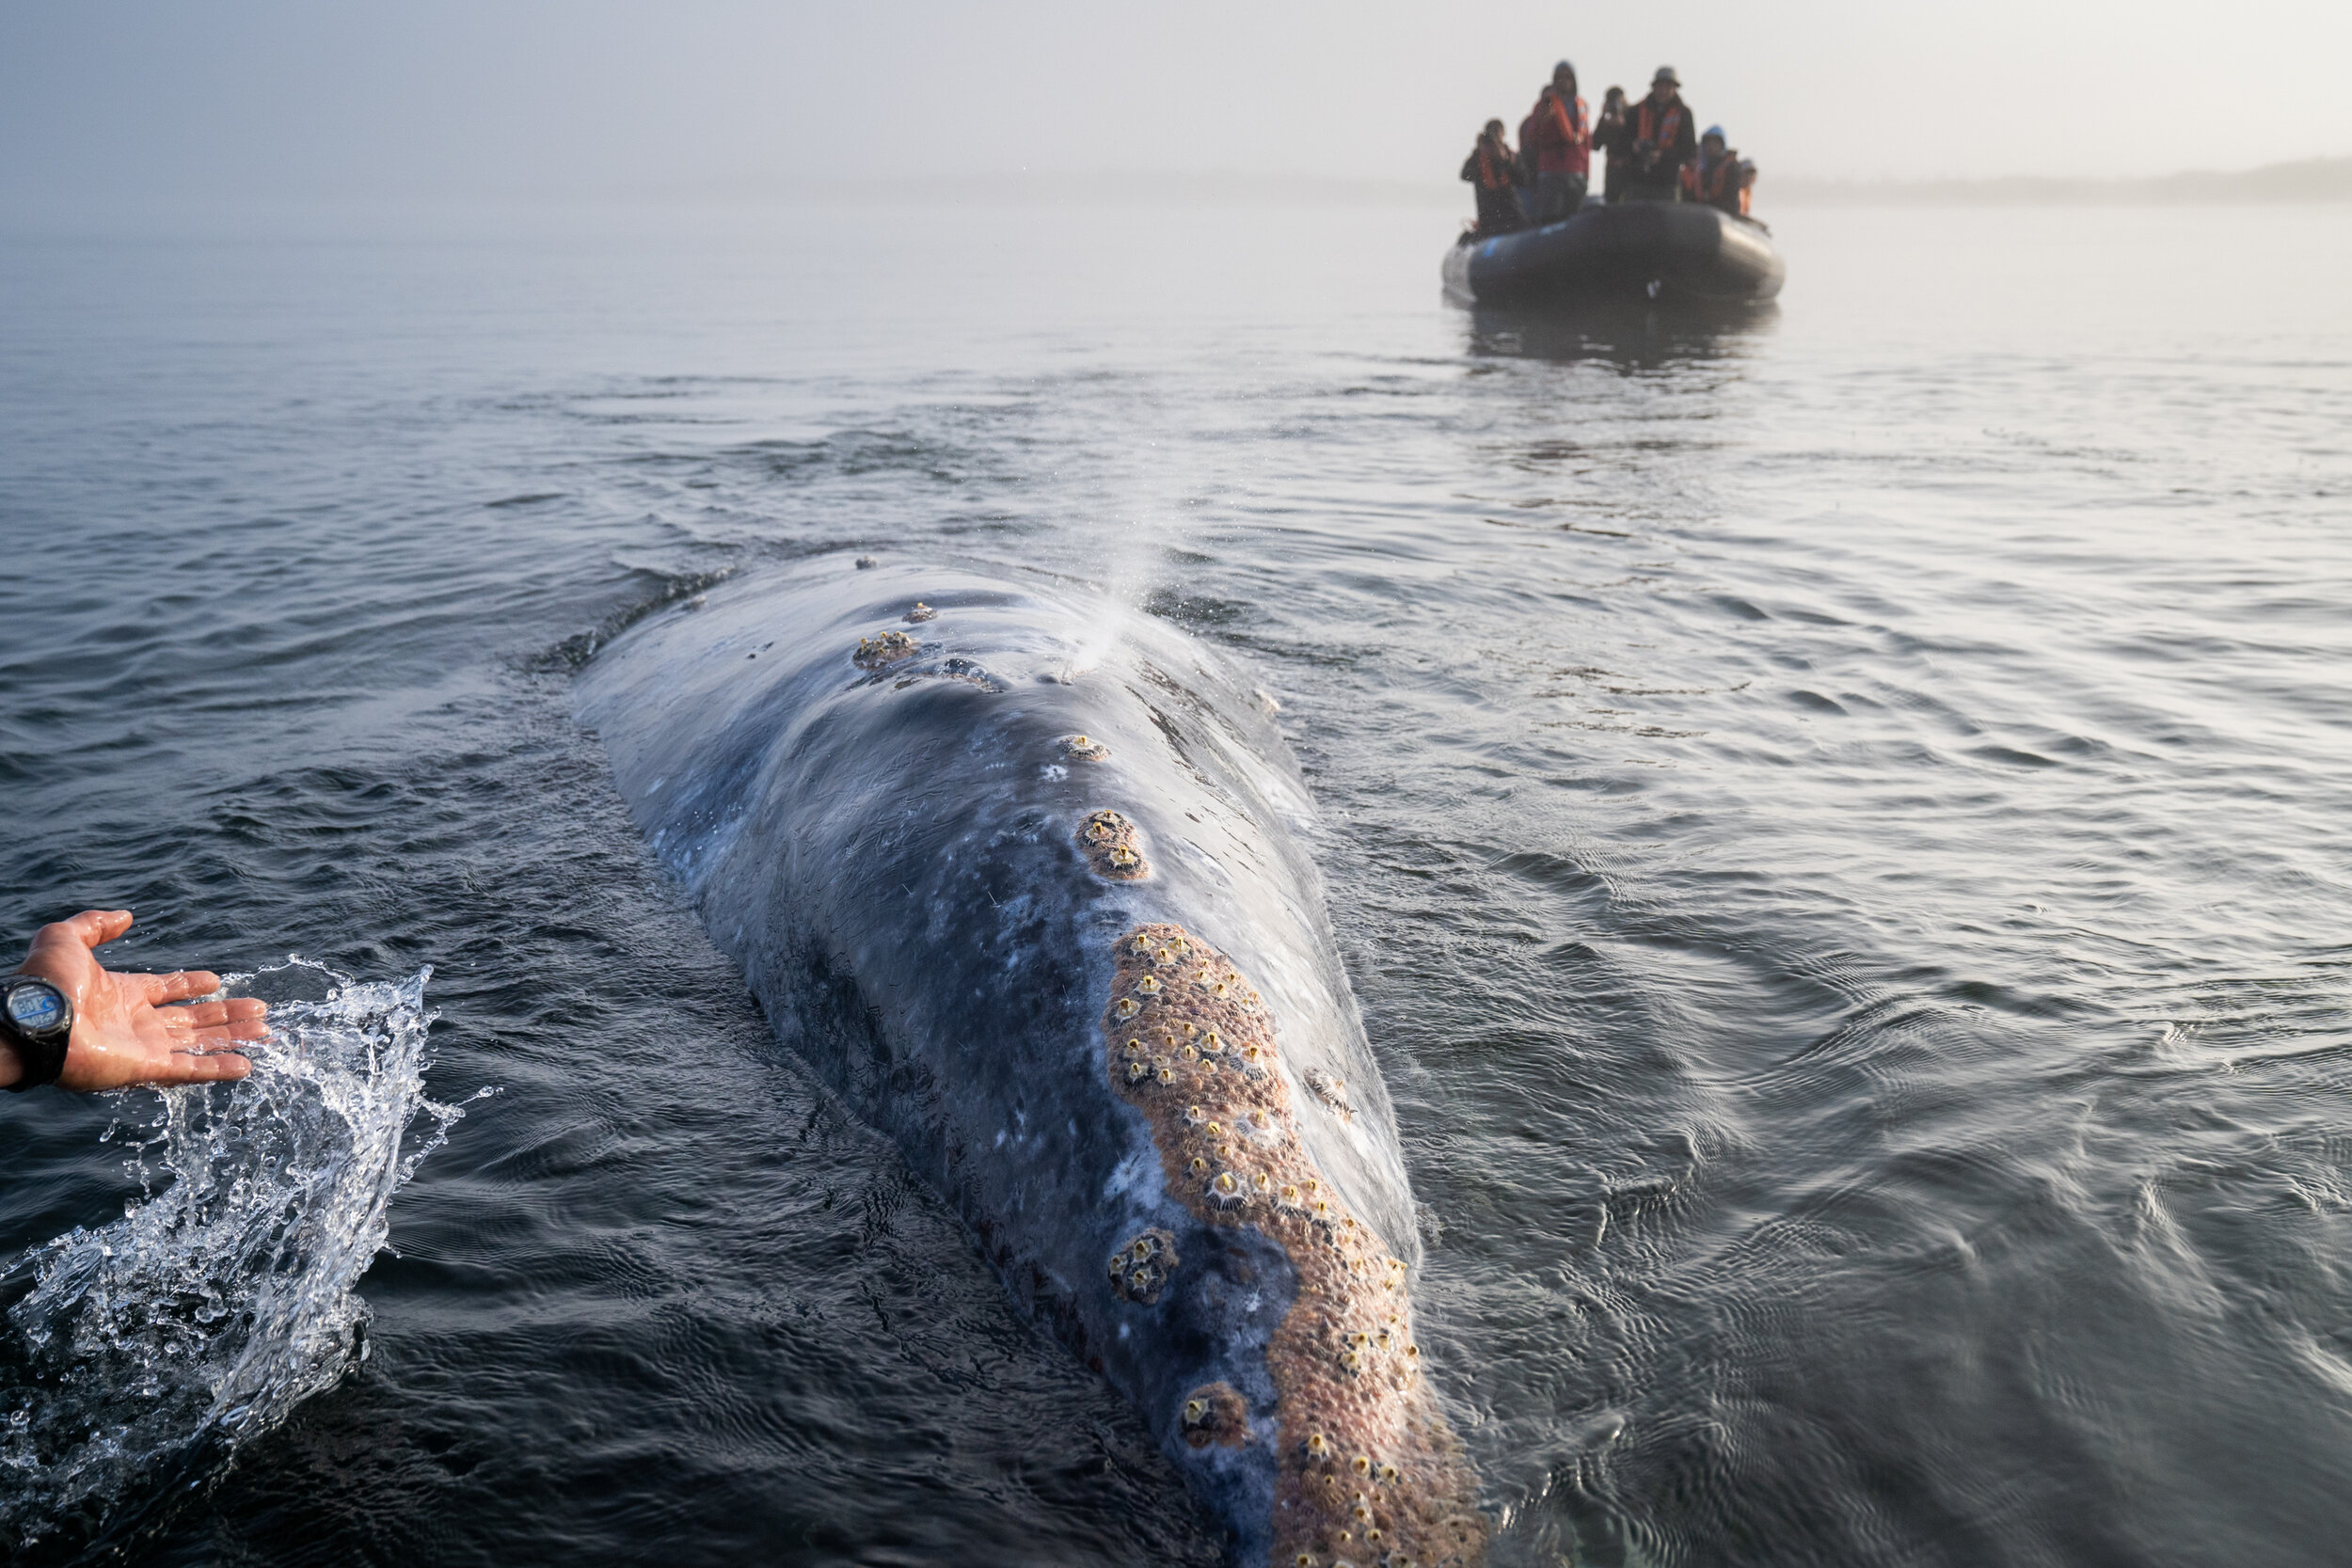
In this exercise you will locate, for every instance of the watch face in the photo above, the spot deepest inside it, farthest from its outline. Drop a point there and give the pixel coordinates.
(36, 1007)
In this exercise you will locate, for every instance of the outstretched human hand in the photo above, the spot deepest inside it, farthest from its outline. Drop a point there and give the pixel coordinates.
(123, 1034)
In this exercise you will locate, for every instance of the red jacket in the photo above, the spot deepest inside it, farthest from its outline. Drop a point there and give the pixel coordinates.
(1561, 135)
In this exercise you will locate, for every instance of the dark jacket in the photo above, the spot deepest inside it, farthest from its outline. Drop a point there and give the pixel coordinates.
(1491, 169)
(1662, 138)
(1613, 134)
(1722, 181)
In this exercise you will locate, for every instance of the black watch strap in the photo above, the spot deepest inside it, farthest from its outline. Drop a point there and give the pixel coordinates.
(42, 1056)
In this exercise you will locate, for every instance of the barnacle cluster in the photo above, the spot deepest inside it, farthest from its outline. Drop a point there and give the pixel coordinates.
(881, 652)
(1113, 846)
(1214, 1412)
(920, 613)
(1084, 748)
(1367, 1470)
(891, 649)
(1139, 1269)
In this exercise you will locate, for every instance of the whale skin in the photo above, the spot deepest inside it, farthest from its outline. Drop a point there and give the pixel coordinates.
(1023, 874)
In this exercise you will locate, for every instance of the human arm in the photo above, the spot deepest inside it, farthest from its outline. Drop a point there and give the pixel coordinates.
(125, 1030)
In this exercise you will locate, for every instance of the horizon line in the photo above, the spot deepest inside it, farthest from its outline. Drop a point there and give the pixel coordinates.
(2316, 179)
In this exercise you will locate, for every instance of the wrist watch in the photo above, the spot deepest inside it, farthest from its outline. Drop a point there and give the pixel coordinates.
(38, 1019)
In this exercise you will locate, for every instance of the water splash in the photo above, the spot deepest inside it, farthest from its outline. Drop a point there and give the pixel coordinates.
(151, 1347)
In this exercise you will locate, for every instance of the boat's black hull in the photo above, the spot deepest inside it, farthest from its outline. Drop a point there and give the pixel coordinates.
(1659, 250)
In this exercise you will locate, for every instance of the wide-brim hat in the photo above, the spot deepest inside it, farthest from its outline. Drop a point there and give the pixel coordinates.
(1667, 74)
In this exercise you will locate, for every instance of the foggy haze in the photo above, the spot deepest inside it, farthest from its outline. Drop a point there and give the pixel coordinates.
(731, 98)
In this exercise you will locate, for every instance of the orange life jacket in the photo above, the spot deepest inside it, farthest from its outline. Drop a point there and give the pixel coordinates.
(1711, 182)
(1493, 170)
(1658, 130)
(1562, 142)
(1721, 184)
(1570, 113)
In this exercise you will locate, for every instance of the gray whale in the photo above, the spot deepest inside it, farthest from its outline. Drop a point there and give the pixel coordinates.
(1018, 873)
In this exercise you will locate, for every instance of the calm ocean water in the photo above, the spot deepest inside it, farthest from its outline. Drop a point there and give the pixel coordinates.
(1837, 824)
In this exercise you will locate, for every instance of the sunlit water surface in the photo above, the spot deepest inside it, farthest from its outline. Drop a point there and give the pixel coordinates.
(1837, 824)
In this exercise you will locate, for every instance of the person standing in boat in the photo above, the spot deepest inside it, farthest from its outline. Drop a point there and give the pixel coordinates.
(1719, 176)
(1492, 171)
(1558, 139)
(1663, 141)
(1613, 134)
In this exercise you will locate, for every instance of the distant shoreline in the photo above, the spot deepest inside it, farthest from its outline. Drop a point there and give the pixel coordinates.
(2309, 180)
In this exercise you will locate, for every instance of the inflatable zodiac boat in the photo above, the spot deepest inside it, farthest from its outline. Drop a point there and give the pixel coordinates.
(1658, 250)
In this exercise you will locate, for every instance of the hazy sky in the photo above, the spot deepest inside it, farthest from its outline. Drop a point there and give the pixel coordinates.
(306, 98)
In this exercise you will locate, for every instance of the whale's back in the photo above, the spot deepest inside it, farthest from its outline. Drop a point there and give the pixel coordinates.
(1023, 876)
